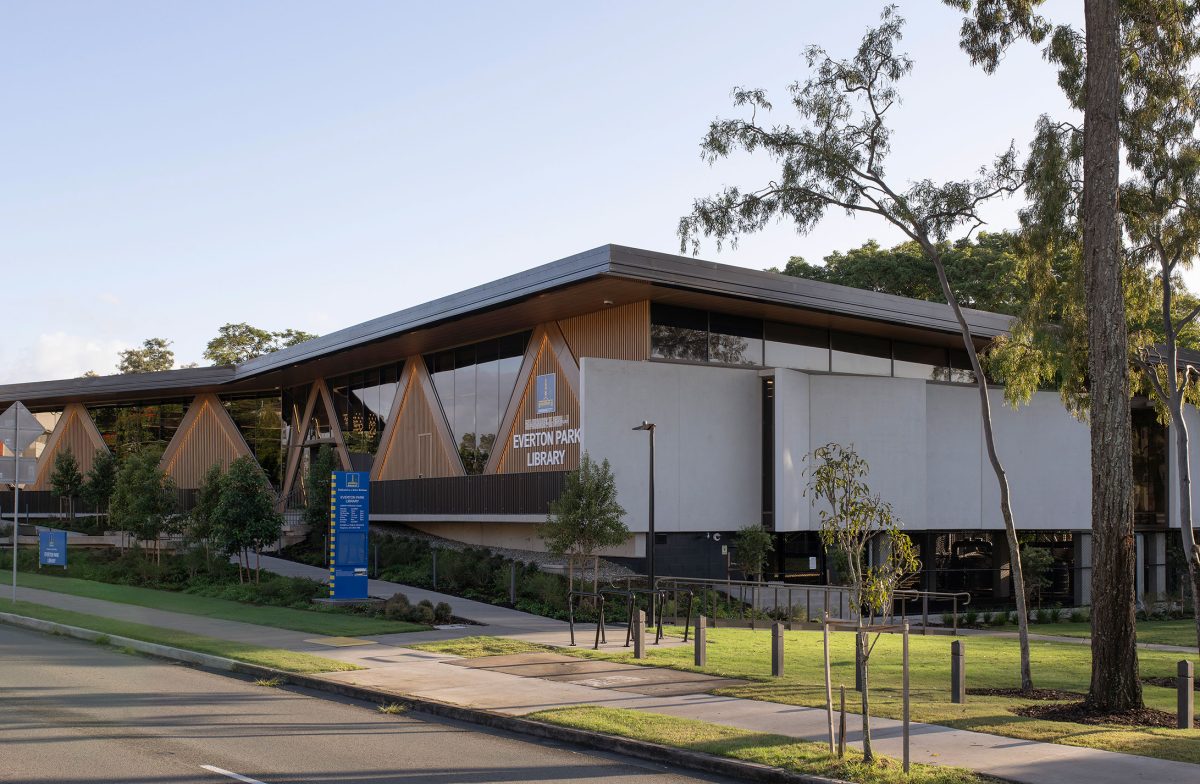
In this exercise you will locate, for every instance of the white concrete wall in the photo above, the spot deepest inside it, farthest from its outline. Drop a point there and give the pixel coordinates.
(709, 440)
(1192, 416)
(923, 442)
(884, 420)
(792, 446)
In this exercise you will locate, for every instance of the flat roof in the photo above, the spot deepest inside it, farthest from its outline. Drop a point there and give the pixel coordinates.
(662, 270)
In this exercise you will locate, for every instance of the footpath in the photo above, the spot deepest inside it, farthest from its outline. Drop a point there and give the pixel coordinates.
(525, 683)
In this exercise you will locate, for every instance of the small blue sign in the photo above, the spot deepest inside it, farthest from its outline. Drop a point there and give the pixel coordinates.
(52, 548)
(349, 515)
(547, 387)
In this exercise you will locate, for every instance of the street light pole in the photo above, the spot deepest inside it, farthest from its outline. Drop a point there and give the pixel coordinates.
(649, 427)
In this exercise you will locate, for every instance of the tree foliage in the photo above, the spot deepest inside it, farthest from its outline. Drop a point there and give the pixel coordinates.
(244, 518)
(203, 516)
(586, 516)
(316, 489)
(154, 355)
(65, 479)
(985, 270)
(101, 480)
(144, 499)
(236, 343)
(752, 545)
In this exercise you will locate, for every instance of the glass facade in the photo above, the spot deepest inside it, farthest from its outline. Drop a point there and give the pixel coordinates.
(700, 336)
(260, 421)
(474, 384)
(1150, 469)
(362, 402)
(128, 429)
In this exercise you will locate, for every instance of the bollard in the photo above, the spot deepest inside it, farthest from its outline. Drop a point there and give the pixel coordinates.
(701, 641)
(434, 553)
(958, 672)
(842, 727)
(639, 634)
(1187, 695)
(777, 650)
(859, 644)
(512, 583)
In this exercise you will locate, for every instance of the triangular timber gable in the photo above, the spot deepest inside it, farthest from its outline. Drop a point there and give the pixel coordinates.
(318, 395)
(416, 440)
(207, 436)
(75, 431)
(541, 440)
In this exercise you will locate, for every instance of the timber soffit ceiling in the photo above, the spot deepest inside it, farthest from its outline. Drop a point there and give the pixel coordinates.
(608, 261)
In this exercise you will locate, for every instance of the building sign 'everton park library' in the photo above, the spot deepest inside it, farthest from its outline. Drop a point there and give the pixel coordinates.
(546, 437)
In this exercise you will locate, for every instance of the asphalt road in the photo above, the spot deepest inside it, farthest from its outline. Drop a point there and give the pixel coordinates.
(72, 712)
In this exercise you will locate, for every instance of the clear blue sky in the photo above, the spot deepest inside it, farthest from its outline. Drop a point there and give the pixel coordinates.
(170, 167)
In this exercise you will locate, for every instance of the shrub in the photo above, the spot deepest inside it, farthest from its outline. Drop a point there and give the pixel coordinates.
(985, 619)
(1080, 616)
(970, 617)
(947, 619)
(443, 613)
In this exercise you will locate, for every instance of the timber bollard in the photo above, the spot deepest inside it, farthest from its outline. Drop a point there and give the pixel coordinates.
(701, 641)
(958, 672)
(777, 649)
(639, 634)
(859, 642)
(1187, 696)
(842, 727)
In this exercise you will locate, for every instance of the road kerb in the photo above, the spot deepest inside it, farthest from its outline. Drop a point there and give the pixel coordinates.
(652, 752)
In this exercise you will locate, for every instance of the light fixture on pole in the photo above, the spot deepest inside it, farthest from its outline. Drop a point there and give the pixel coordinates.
(649, 427)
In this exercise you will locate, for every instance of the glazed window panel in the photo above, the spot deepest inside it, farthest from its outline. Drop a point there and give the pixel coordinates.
(864, 355)
(678, 333)
(361, 405)
(913, 360)
(797, 346)
(733, 340)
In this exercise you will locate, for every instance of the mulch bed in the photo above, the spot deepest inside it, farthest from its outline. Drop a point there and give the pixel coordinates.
(1034, 694)
(1079, 713)
(1169, 683)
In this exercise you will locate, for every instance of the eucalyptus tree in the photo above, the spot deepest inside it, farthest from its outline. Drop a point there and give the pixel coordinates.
(1122, 71)
(837, 160)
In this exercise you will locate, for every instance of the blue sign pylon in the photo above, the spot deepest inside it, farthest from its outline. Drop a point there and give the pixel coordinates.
(349, 516)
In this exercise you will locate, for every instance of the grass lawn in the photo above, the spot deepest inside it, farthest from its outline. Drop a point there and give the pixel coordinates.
(475, 647)
(1181, 632)
(992, 662)
(334, 624)
(244, 652)
(776, 750)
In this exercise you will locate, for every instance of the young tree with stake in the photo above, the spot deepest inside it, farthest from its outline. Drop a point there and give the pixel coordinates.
(856, 518)
(837, 160)
(586, 516)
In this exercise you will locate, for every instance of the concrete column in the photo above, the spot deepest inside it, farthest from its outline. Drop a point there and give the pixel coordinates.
(1082, 575)
(1156, 563)
(1140, 569)
(1001, 567)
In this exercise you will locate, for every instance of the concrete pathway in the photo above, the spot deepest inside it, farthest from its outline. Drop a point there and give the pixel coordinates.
(403, 671)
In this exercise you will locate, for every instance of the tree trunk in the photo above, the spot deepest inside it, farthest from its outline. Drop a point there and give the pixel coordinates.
(1176, 391)
(257, 566)
(868, 753)
(1115, 684)
(985, 413)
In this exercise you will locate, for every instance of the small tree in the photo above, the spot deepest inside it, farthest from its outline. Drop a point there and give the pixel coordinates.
(586, 516)
(316, 489)
(752, 545)
(100, 482)
(65, 480)
(854, 520)
(244, 518)
(1038, 562)
(203, 515)
(144, 499)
